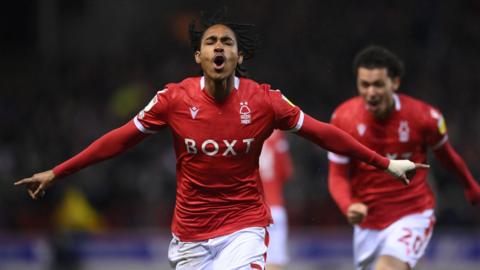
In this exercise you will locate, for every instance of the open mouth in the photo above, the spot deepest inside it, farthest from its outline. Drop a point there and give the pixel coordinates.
(219, 62)
(373, 105)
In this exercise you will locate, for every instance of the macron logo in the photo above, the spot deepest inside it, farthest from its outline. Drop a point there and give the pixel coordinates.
(361, 129)
(193, 111)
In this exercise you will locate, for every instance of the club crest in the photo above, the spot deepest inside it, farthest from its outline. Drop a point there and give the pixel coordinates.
(245, 113)
(403, 131)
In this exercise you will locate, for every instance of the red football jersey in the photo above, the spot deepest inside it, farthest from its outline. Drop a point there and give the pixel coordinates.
(217, 147)
(275, 167)
(407, 133)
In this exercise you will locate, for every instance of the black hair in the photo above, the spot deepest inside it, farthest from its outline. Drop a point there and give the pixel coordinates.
(379, 57)
(247, 37)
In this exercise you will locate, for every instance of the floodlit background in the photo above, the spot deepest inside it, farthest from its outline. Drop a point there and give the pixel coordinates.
(73, 70)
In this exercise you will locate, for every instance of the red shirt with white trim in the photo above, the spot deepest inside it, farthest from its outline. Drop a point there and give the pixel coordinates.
(217, 147)
(411, 128)
(275, 167)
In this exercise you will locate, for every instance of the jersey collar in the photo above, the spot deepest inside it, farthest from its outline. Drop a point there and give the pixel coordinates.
(396, 99)
(236, 83)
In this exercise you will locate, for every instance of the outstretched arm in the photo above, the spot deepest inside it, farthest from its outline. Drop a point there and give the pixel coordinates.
(109, 145)
(453, 162)
(338, 141)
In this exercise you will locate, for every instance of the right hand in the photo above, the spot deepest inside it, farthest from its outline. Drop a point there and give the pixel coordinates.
(356, 212)
(37, 184)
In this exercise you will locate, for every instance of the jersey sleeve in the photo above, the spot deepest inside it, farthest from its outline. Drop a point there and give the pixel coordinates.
(335, 120)
(111, 144)
(287, 115)
(155, 115)
(435, 128)
(340, 186)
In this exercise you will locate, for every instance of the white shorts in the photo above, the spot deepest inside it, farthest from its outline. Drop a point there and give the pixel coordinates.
(278, 231)
(406, 239)
(243, 250)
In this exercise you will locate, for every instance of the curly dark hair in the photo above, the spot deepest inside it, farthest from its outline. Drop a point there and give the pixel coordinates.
(378, 57)
(247, 37)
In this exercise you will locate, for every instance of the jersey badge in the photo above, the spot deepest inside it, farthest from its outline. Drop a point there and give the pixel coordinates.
(361, 128)
(245, 113)
(403, 131)
(288, 101)
(193, 111)
(442, 127)
(150, 105)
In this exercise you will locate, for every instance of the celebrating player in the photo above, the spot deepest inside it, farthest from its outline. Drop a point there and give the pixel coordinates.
(393, 222)
(219, 122)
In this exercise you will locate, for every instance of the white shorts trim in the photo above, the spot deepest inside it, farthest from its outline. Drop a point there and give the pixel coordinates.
(406, 239)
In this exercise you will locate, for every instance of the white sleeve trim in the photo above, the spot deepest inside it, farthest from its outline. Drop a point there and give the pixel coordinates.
(141, 127)
(440, 143)
(336, 158)
(299, 124)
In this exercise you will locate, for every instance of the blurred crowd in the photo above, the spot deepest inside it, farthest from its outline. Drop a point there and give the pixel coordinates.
(73, 70)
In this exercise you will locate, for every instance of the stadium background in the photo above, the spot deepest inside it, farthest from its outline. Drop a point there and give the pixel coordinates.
(72, 70)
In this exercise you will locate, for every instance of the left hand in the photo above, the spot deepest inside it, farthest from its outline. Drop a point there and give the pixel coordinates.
(400, 169)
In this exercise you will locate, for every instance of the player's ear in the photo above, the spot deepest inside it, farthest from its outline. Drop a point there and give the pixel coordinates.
(240, 57)
(197, 57)
(396, 83)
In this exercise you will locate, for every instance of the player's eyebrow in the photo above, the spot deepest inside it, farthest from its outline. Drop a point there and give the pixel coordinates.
(214, 37)
(371, 81)
(375, 82)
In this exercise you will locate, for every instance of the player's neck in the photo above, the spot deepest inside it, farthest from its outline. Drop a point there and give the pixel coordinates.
(388, 111)
(219, 89)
